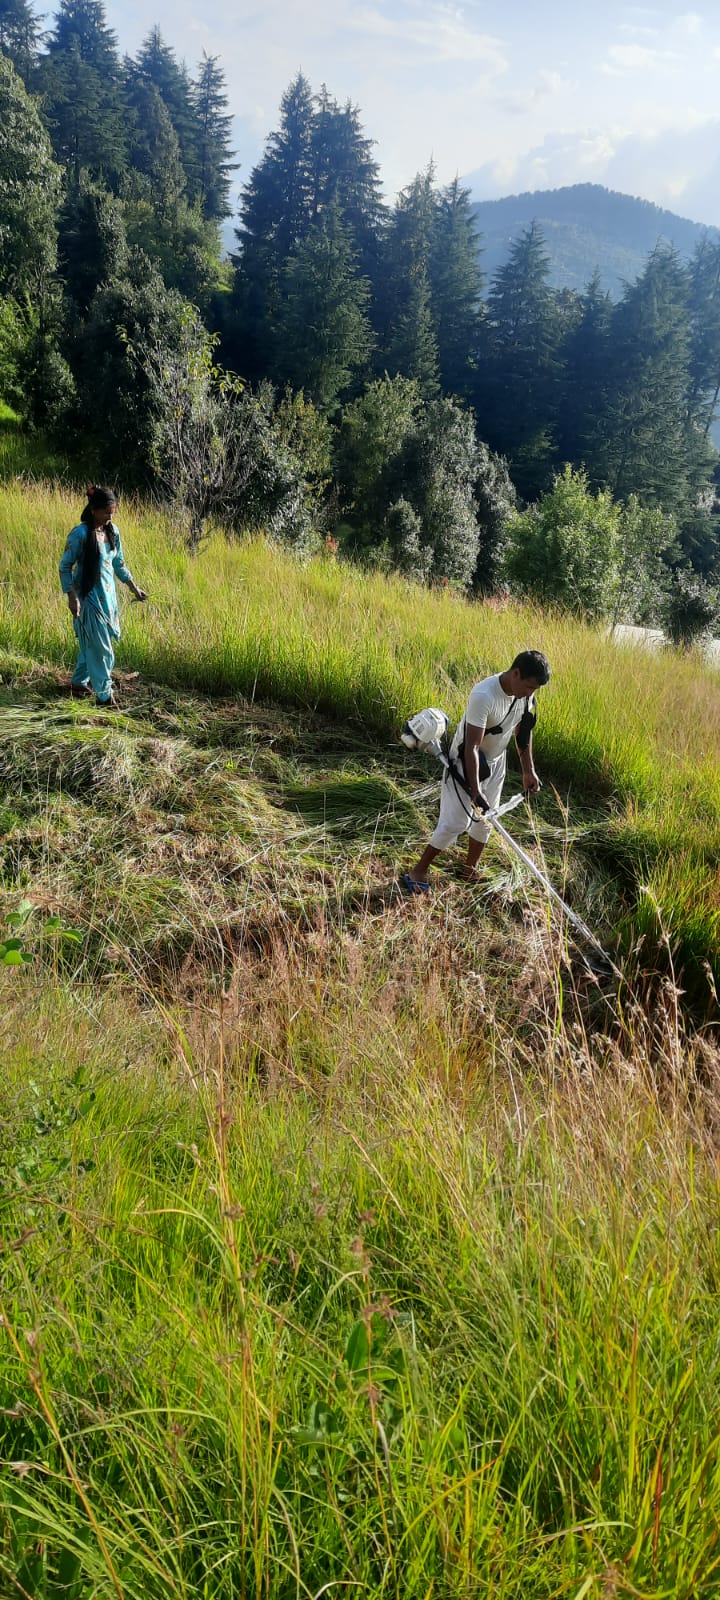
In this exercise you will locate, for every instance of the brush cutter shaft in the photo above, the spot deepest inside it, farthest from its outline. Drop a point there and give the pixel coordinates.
(572, 916)
(493, 818)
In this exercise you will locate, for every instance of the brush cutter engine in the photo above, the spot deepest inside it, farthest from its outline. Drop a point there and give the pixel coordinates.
(426, 730)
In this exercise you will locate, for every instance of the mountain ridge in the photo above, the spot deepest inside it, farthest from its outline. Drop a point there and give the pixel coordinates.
(586, 228)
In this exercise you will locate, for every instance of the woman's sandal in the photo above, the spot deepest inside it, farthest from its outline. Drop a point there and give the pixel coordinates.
(414, 885)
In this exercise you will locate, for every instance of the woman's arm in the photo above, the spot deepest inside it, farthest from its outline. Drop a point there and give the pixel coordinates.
(69, 560)
(122, 572)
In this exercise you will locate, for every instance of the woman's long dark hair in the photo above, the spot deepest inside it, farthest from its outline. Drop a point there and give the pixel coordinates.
(100, 498)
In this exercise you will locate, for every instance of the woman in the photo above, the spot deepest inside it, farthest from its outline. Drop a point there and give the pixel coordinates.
(91, 561)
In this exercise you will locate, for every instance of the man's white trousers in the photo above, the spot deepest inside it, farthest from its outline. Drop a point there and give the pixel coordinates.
(455, 805)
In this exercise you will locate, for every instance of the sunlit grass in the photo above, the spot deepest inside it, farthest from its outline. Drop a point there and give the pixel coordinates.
(635, 735)
(333, 1297)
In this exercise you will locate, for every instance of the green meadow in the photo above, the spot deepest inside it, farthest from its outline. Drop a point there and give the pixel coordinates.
(349, 1244)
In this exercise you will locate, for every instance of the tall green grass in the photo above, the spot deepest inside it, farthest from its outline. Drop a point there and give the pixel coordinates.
(636, 736)
(362, 1311)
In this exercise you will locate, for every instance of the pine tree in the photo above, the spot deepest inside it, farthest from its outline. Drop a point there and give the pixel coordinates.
(157, 64)
(81, 82)
(19, 32)
(92, 246)
(324, 336)
(214, 152)
(409, 339)
(154, 149)
(276, 212)
(514, 393)
(704, 304)
(586, 358)
(346, 173)
(644, 443)
(456, 286)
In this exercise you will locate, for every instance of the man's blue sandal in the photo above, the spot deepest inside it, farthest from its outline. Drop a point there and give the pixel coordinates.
(414, 885)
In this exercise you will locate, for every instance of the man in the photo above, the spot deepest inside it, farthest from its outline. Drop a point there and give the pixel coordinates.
(498, 707)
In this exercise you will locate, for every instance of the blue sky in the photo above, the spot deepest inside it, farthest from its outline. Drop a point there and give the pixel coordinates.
(521, 95)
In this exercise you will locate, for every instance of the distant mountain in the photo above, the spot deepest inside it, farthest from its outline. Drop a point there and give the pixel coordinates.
(585, 226)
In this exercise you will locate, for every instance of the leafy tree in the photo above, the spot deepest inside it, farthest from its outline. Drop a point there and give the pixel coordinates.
(19, 32)
(373, 430)
(514, 391)
(324, 336)
(33, 372)
(157, 64)
(495, 501)
(692, 609)
(456, 286)
(646, 546)
(214, 163)
(29, 188)
(82, 92)
(563, 549)
(181, 245)
(405, 542)
(408, 470)
(440, 466)
(115, 402)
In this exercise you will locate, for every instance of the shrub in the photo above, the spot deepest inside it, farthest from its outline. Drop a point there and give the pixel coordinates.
(564, 548)
(692, 609)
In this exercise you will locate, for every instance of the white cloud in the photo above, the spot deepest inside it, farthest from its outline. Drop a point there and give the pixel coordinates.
(690, 23)
(441, 36)
(628, 58)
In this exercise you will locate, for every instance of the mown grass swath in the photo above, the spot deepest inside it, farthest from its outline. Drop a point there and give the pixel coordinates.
(636, 736)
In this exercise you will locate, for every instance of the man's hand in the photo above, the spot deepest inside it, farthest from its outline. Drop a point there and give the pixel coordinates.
(74, 603)
(531, 782)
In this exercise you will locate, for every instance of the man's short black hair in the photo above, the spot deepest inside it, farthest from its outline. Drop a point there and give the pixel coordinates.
(533, 664)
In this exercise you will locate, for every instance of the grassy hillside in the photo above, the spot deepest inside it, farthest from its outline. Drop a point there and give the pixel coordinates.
(348, 1242)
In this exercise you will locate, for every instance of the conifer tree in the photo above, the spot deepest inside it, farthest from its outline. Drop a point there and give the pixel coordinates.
(584, 389)
(19, 32)
(157, 64)
(456, 286)
(345, 172)
(154, 148)
(276, 212)
(324, 336)
(514, 392)
(644, 440)
(213, 140)
(704, 305)
(81, 82)
(409, 344)
(92, 244)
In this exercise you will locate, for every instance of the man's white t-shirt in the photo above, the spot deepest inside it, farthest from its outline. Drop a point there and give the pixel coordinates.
(488, 706)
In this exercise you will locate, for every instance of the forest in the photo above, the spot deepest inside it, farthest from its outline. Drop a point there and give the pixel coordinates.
(347, 375)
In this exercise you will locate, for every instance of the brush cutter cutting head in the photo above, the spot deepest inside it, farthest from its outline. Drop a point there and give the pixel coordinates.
(425, 729)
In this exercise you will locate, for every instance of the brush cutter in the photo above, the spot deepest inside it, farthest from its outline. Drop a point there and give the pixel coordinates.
(424, 732)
